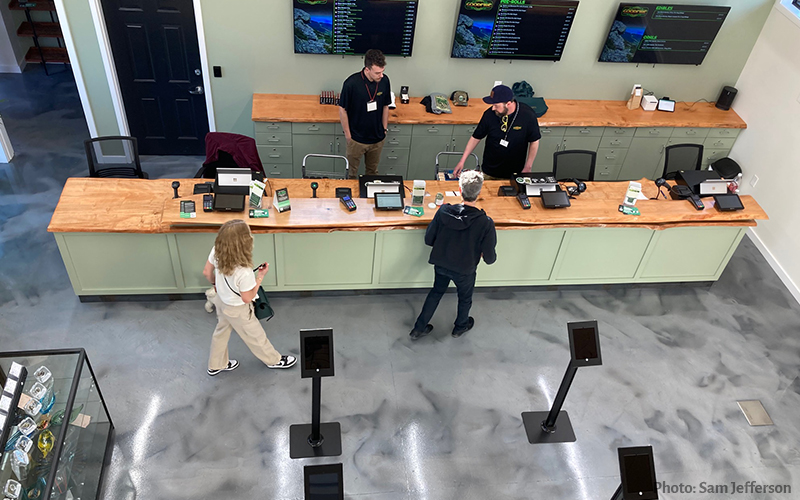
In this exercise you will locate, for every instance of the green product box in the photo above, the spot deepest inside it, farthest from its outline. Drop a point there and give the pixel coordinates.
(258, 213)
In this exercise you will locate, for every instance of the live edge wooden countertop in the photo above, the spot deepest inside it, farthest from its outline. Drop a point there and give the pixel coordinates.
(561, 113)
(91, 205)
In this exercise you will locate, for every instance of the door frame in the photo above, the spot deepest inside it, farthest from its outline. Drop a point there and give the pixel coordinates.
(98, 19)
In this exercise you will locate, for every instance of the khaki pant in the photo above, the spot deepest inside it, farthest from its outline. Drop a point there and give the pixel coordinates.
(371, 154)
(243, 320)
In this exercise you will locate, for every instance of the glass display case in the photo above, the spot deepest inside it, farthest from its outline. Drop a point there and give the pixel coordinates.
(56, 441)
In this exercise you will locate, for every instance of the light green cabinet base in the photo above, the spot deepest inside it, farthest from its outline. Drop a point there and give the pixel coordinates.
(133, 264)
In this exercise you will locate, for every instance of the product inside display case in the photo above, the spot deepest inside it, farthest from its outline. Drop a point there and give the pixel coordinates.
(58, 437)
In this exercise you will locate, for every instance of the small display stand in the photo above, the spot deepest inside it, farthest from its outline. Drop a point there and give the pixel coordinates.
(638, 473)
(316, 361)
(323, 482)
(544, 427)
(57, 437)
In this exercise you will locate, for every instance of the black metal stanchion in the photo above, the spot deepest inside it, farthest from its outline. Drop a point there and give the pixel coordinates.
(316, 361)
(617, 494)
(554, 426)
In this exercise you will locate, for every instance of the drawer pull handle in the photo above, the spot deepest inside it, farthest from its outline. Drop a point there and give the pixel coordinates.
(603, 173)
(584, 131)
(313, 128)
(394, 143)
(433, 130)
(611, 157)
(273, 127)
(691, 132)
(274, 156)
(615, 142)
(654, 132)
(546, 131)
(273, 140)
(618, 131)
(391, 157)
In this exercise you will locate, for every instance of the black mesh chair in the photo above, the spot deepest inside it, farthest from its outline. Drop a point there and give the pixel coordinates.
(681, 157)
(114, 156)
(574, 164)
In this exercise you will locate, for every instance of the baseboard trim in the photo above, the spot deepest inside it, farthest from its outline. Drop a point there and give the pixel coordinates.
(10, 68)
(775, 265)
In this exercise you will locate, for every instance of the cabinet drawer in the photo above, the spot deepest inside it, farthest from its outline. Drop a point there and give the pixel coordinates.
(730, 133)
(606, 156)
(653, 132)
(429, 130)
(587, 143)
(284, 171)
(619, 132)
(396, 129)
(394, 156)
(611, 141)
(712, 155)
(584, 131)
(313, 128)
(271, 127)
(606, 172)
(689, 133)
(274, 139)
(464, 129)
(275, 154)
(552, 131)
(718, 143)
(392, 169)
(397, 141)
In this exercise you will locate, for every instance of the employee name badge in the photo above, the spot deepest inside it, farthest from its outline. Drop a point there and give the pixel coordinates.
(372, 106)
(504, 143)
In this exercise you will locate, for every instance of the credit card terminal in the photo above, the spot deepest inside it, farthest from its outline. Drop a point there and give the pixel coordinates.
(208, 202)
(348, 203)
(522, 197)
(696, 202)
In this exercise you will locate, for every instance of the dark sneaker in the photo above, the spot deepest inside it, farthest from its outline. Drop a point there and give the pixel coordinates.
(232, 365)
(457, 332)
(285, 362)
(416, 334)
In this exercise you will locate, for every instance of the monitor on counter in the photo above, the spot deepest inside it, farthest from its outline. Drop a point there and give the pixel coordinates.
(352, 28)
(662, 33)
(524, 29)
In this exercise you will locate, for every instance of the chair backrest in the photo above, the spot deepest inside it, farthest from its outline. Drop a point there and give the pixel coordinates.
(437, 169)
(574, 164)
(681, 157)
(325, 173)
(225, 149)
(113, 156)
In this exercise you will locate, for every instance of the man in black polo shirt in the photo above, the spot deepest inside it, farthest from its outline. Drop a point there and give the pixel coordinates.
(364, 113)
(512, 136)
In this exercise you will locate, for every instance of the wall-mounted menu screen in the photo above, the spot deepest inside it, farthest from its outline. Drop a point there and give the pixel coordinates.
(513, 29)
(354, 26)
(662, 33)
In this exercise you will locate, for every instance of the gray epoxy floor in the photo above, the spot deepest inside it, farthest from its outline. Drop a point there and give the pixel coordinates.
(438, 418)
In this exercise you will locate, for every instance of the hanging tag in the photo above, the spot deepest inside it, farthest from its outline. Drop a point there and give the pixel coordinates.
(504, 143)
(372, 106)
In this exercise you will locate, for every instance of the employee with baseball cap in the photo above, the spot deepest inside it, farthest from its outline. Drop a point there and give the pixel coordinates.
(512, 136)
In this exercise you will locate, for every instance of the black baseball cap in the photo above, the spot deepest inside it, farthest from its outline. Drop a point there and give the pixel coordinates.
(500, 93)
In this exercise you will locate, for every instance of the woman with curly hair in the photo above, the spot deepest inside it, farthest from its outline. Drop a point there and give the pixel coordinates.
(229, 270)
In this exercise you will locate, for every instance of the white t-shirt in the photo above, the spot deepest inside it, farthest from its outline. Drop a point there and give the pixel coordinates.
(241, 279)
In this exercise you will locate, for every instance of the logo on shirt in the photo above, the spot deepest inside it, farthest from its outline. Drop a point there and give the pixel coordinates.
(379, 93)
(518, 127)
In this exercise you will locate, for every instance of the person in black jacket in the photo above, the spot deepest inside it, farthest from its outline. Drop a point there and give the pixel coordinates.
(460, 235)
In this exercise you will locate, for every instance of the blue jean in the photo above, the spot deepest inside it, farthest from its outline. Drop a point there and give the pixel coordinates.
(465, 284)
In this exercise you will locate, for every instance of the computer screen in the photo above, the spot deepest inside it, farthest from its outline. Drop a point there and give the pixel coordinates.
(512, 29)
(352, 27)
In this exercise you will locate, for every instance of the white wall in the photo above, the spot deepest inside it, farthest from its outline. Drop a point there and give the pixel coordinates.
(769, 101)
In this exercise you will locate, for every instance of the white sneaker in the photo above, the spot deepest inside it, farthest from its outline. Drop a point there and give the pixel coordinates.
(232, 365)
(285, 362)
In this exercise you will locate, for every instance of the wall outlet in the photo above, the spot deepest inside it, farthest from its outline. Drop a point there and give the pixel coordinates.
(754, 180)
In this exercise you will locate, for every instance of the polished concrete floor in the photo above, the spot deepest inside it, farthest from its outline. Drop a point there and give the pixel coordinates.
(437, 418)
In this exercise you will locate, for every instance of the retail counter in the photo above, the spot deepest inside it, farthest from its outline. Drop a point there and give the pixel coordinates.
(122, 237)
(629, 143)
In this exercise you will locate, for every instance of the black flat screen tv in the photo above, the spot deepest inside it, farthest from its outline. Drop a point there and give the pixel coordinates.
(351, 27)
(513, 29)
(662, 33)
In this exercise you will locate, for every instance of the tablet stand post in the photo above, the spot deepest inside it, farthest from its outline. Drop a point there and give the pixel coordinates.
(553, 426)
(617, 494)
(544, 427)
(316, 439)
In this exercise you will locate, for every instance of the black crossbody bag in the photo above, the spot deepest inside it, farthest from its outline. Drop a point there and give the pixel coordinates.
(261, 305)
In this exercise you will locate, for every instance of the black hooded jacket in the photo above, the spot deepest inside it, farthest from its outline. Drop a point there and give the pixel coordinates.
(459, 235)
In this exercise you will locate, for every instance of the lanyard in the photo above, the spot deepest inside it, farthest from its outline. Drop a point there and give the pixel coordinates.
(371, 97)
(512, 123)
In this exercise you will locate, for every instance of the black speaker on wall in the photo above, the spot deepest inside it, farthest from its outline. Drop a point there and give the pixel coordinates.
(726, 97)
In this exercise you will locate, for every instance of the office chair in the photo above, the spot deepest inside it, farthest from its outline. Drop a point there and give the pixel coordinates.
(114, 156)
(326, 174)
(681, 157)
(444, 170)
(209, 170)
(228, 150)
(574, 164)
